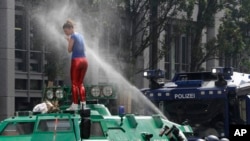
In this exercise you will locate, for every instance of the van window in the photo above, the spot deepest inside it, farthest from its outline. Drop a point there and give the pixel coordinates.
(51, 125)
(96, 129)
(18, 128)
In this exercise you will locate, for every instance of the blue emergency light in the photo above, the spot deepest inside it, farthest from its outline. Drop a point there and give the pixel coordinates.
(154, 74)
(223, 71)
(121, 111)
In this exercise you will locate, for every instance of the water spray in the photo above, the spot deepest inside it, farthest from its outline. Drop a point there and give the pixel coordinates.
(51, 19)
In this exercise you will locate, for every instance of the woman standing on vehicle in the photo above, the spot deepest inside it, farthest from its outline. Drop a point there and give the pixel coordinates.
(79, 64)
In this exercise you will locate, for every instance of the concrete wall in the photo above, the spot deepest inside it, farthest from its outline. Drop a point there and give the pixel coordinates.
(7, 58)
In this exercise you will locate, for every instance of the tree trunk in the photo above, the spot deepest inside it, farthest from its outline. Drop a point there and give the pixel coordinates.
(154, 38)
(196, 50)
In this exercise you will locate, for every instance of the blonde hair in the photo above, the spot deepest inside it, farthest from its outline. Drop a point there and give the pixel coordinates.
(68, 24)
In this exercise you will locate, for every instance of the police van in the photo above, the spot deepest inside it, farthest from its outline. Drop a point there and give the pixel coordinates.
(211, 102)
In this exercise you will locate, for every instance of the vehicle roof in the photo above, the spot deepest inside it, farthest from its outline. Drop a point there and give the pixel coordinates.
(194, 76)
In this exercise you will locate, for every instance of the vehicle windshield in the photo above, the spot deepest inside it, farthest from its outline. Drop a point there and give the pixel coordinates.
(51, 125)
(18, 128)
(96, 129)
(205, 116)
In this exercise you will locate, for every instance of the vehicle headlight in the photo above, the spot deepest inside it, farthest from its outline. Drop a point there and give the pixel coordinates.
(59, 93)
(49, 94)
(107, 91)
(95, 91)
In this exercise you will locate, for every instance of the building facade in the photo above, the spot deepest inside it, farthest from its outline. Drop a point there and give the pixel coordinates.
(178, 47)
(29, 59)
(22, 62)
(7, 57)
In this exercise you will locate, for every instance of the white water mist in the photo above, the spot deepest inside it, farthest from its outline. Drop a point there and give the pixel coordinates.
(51, 17)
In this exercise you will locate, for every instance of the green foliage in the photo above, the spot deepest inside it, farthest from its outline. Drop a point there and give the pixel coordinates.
(230, 39)
(139, 14)
(245, 11)
(205, 11)
(233, 37)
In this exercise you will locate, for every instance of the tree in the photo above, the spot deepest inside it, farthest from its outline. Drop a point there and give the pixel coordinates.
(146, 20)
(234, 37)
(206, 10)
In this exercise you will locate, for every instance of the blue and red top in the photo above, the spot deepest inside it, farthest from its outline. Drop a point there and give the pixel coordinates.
(78, 49)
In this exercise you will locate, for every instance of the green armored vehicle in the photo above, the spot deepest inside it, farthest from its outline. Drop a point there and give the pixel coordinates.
(92, 123)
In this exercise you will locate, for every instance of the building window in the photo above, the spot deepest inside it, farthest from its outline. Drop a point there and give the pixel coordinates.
(168, 63)
(22, 104)
(20, 61)
(35, 84)
(20, 84)
(19, 32)
(184, 53)
(168, 52)
(35, 61)
(177, 53)
(35, 67)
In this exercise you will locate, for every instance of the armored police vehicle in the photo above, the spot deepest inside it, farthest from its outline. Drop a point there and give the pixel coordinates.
(91, 123)
(209, 101)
